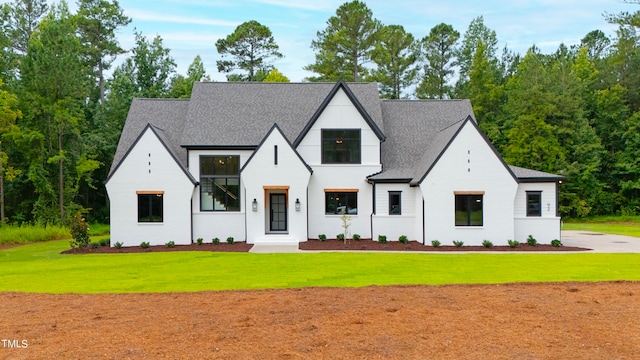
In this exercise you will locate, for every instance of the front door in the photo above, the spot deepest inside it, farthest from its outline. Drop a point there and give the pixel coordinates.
(278, 214)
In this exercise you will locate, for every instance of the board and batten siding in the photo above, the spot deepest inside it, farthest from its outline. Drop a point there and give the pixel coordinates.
(393, 226)
(543, 228)
(220, 224)
(340, 113)
(470, 165)
(148, 168)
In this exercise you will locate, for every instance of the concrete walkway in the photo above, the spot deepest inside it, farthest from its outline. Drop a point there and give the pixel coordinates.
(601, 242)
(598, 242)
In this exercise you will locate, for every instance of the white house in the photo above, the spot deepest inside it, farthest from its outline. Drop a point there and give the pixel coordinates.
(279, 162)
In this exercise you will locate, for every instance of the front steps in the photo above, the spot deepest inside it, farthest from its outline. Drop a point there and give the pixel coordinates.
(275, 243)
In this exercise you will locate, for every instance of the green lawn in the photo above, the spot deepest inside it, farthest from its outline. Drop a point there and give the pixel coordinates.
(620, 225)
(41, 268)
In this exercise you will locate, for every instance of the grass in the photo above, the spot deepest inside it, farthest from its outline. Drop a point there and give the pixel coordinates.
(41, 268)
(12, 234)
(620, 225)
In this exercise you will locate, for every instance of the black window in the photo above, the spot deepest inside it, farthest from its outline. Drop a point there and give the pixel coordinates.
(534, 203)
(150, 207)
(338, 202)
(468, 210)
(341, 146)
(395, 201)
(220, 183)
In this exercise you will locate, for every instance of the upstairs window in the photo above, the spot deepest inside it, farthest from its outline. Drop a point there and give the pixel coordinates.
(150, 206)
(341, 146)
(220, 183)
(534, 203)
(468, 209)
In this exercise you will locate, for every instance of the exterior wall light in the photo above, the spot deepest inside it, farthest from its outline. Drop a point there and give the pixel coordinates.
(297, 204)
(254, 205)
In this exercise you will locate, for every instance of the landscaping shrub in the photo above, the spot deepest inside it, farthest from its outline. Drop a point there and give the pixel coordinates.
(322, 237)
(215, 241)
(144, 245)
(382, 238)
(458, 243)
(95, 245)
(340, 237)
(79, 232)
(487, 243)
(403, 239)
(118, 245)
(356, 237)
(513, 243)
(435, 243)
(531, 241)
(230, 240)
(171, 244)
(199, 241)
(556, 243)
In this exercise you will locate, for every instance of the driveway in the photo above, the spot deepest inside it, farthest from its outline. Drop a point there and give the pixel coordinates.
(601, 242)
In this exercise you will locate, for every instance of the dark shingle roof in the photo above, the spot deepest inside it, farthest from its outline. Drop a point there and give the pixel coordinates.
(165, 115)
(239, 114)
(524, 174)
(417, 131)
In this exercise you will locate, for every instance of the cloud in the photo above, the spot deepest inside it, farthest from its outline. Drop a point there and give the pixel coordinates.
(319, 5)
(143, 15)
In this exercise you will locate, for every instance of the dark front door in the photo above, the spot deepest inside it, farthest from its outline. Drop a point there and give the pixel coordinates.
(278, 216)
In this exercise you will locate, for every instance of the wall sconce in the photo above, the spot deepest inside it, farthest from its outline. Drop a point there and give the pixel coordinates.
(297, 204)
(254, 205)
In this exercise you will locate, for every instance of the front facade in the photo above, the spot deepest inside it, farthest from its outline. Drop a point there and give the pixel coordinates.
(279, 163)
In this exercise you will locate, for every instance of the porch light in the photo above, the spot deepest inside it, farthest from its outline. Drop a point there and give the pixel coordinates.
(254, 205)
(297, 204)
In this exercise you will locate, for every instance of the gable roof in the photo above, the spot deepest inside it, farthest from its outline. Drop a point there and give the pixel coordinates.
(234, 115)
(275, 127)
(160, 134)
(340, 85)
(417, 131)
(228, 115)
(166, 115)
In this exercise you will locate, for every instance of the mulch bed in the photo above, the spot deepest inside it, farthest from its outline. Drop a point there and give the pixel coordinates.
(328, 245)
(506, 321)
(368, 244)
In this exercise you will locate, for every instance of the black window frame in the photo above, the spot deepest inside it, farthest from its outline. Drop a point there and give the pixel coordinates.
(334, 201)
(395, 199)
(341, 146)
(220, 170)
(149, 205)
(536, 211)
(465, 207)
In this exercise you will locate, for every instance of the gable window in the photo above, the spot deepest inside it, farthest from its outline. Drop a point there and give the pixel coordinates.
(534, 203)
(341, 146)
(341, 200)
(150, 206)
(220, 183)
(469, 209)
(395, 201)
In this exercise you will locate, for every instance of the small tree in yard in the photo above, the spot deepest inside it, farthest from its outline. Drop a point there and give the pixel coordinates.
(79, 231)
(346, 222)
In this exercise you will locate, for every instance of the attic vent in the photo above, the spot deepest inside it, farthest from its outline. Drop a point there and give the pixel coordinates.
(275, 154)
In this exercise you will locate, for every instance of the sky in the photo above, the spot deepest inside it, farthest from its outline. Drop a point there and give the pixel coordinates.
(192, 27)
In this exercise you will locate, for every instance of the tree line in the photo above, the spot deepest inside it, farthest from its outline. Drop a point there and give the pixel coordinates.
(574, 112)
